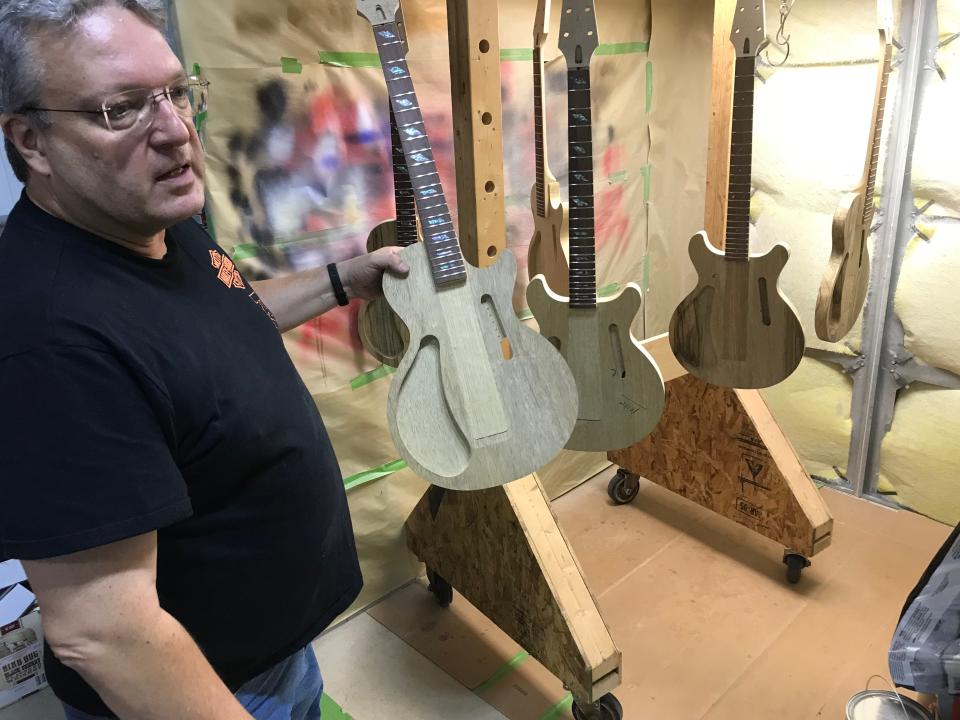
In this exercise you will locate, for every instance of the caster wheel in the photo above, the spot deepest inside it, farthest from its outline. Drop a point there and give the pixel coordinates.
(795, 563)
(440, 588)
(623, 487)
(606, 708)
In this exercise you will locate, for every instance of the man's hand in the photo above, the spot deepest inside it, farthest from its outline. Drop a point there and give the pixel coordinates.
(362, 276)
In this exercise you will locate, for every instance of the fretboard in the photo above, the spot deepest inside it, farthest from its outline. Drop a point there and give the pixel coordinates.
(737, 243)
(875, 135)
(583, 250)
(402, 190)
(439, 235)
(540, 140)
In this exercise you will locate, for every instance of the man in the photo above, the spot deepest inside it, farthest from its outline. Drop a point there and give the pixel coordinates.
(166, 478)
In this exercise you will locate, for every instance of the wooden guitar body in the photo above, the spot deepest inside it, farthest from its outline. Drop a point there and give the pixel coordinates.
(843, 289)
(382, 333)
(479, 399)
(736, 329)
(549, 247)
(621, 390)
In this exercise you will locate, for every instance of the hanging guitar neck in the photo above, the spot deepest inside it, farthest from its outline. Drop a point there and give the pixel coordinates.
(406, 208)
(737, 242)
(540, 138)
(578, 41)
(876, 130)
(439, 235)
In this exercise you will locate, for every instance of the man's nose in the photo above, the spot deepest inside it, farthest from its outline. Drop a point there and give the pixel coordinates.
(168, 127)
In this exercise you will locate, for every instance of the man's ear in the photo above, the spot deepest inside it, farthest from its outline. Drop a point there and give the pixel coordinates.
(28, 142)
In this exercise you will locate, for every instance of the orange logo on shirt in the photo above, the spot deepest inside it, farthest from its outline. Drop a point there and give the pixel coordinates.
(228, 275)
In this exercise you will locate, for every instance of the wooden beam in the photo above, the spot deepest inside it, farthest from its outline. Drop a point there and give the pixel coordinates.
(477, 122)
(721, 109)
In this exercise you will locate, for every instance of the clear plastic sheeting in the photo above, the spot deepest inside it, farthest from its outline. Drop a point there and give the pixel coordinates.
(925, 653)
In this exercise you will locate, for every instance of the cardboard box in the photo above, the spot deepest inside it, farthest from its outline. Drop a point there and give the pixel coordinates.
(21, 645)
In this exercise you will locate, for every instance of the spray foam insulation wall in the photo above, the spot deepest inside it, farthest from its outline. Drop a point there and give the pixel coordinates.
(298, 174)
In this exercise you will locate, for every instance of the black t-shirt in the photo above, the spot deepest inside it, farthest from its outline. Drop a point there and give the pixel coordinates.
(139, 395)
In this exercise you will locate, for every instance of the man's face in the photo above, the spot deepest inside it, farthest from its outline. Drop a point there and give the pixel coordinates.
(140, 180)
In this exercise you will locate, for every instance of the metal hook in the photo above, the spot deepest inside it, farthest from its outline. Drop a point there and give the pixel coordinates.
(782, 39)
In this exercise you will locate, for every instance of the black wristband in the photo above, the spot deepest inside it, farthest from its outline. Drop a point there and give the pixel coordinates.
(338, 292)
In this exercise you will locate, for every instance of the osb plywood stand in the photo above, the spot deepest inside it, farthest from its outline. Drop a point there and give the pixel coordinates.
(502, 548)
(716, 446)
(722, 449)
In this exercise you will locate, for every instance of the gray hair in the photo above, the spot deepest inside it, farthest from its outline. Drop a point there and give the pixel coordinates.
(21, 74)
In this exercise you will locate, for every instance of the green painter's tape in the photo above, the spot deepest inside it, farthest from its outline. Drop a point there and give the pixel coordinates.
(291, 65)
(367, 378)
(245, 251)
(559, 709)
(617, 177)
(646, 273)
(350, 59)
(649, 85)
(608, 290)
(627, 48)
(645, 171)
(524, 314)
(516, 54)
(368, 476)
(330, 710)
(508, 667)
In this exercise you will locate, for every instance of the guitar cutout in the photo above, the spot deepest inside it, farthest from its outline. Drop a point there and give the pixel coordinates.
(382, 333)
(843, 289)
(547, 253)
(620, 388)
(478, 399)
(736, 328)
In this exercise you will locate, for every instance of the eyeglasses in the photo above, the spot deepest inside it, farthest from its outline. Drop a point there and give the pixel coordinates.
(135, 108)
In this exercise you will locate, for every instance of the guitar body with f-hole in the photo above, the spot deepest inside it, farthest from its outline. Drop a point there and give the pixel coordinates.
(736, 328)
(621, 393)
(547, 253)
(843, 289)
(478, 399)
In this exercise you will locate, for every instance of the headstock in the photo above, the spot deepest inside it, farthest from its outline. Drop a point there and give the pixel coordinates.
(378, 12)
(541, 25)
(578, 32)
(749, 33)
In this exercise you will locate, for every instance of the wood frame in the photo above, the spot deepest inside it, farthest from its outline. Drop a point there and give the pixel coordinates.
(475, 539)
(734, 426)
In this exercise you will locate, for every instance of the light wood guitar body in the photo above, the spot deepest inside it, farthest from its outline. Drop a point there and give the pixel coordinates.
(843, 289)
(549, 247)
(620, 387)
(382, 333)
(466, 409)
(736, 329)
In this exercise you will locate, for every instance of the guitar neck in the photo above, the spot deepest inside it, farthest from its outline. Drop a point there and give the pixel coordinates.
(737, 244)
(439, 235)
(540, 137)
(876, 132)
(583, 247)
(402, 189)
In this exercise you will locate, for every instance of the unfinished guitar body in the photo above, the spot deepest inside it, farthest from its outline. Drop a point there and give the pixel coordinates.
(736, 329)
(382, 333)
(549, 247)
(479, 399)
(843, 289)
(621, 394)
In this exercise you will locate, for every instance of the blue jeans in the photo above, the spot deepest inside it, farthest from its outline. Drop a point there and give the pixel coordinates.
(290, 690)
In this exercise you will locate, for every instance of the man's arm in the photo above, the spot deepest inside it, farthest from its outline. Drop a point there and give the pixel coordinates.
(294, 299)
(102, 618)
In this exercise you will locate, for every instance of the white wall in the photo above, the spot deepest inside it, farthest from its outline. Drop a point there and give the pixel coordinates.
(10, 187)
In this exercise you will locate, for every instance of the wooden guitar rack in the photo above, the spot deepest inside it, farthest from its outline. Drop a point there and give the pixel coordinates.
(719, 447)
(502, 548)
